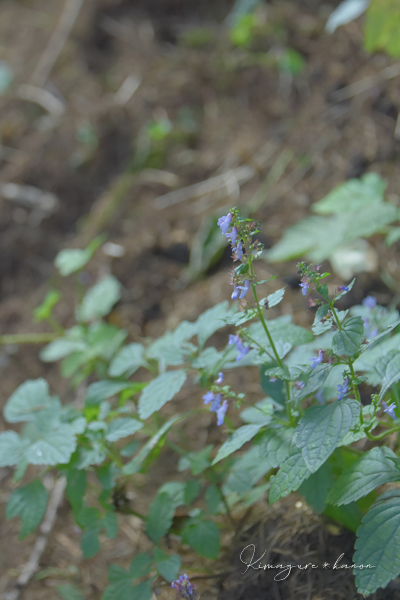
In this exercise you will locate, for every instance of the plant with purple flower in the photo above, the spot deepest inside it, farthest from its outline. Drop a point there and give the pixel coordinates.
(232, 236)
(317, 360)
(389, 410)
(369, 302)
(221, 412)
(343, 288)
(185, 589)
(343, 389)
(224, 222)
(240, 347)
(305, 287)
(238, 254)
(220, 378)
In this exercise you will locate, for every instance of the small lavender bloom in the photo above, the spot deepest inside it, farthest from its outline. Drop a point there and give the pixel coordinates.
(273, 379)
(220, 378)
(240, 347)
(224, 222)
(216, 403)
(343, 389)
(369, 302)
(232, 236)
(185, 589)
(343, 288)
(239, 251)
(221, 412)
(235, 293)
(319, 396)
(208, 397)
(305, 287)
(389, 410)
(244, 289)
(317, 360)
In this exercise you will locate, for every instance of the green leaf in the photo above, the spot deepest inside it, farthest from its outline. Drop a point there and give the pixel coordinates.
(12, 448)
(352, 195)
(53, 447)
(320, 326)
(203, 537)
(315, 488)
(70, 260)
(322, 428)
(259, 414)
(160, 516)
(29, 503)
(378, 544)
(28, 398)
(159, 391)
(169, 567)
(349, 339)
(121, 428)
(213, 499)
(289, 477)
(140, 566)
(90, 544)
(275, 298)
(136, 463)
(110, 524)
(107, 475)
(142, 591)
(99, 300)
(281, 330)
(388, 368)
(341, 294)
(76, 487)
(43, 311)
(275, 445)
(127, 361)
(121, 580)
(382, 27)
(372, 469)
(393, 236)
(69, 592)
(236, 441)
(317, 378)
(192, 490)
(102, 390)
(212, 320)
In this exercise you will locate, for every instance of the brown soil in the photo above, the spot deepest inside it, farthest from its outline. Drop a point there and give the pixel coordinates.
(235, 108)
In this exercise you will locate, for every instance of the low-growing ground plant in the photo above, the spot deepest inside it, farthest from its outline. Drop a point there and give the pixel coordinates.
(303, 433)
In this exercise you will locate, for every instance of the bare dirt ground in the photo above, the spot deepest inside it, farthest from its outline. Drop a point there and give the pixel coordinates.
(124, 64)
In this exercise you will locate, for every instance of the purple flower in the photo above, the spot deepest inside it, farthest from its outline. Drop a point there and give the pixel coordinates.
(215, 404)
(244, 289)
(240, 347)
(369, 302)
(221, 412)
(317, 360)
(389, 410)
(319, 396)
(343, 389)
(220, 378)
(232, 236)
(209, 397)
(273, 379)
(305, 287)
(224, 222)
(239, 251)
(343, 288)
(369, 333)
(185, 589)
(235, 293)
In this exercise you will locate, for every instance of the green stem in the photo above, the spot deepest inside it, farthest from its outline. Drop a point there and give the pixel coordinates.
(28, 338)
(278, 358)
(370, 436)
(350, 363)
